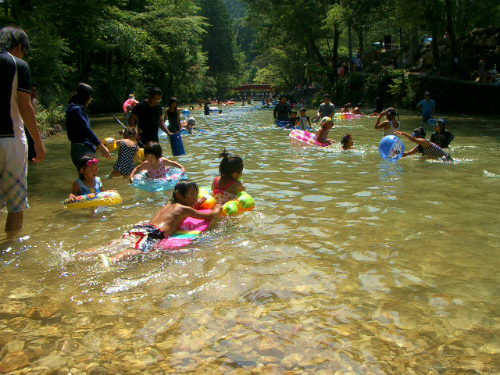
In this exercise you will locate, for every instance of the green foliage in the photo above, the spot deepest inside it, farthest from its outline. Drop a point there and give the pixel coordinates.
(50, 116)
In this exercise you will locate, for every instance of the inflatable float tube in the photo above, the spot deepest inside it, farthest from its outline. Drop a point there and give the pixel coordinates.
(187, 232)
(304, 138)
(344, 115)
(109, 143)
(93, 200)
(142, 182)
(243, 202)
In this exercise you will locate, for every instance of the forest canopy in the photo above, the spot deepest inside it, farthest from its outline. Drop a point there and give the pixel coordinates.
(203, 48)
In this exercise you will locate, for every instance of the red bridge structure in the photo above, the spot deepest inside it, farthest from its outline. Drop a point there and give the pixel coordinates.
(255, 89)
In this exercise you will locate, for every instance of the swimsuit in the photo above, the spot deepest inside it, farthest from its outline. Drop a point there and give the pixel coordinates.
(125, 162)
(157, 173)
(221, 196)
(146, 235)
(433, 151)
(390, 131)
(84, 189)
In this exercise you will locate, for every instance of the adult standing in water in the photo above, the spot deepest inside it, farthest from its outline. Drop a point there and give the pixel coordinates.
(16, 113)
(83, 140)
(326, 109)
(173, 115)
(427, 106)
(149, 115)
(282, 111)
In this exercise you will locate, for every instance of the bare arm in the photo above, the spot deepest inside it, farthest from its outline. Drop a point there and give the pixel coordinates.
(163, 127)
(173, 164)
(420, 141)
(104, 151)
(411, 152)
(191, 212)
(28, 114)
(138, 169)
(383, 125)
(131, 120)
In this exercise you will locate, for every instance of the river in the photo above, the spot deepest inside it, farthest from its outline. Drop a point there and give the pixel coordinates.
(348, 264)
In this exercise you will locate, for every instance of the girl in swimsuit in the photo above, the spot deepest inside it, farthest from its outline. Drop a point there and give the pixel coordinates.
(389, 125)
(347, 142)
(423, 146)
(128, 151)
(226, 186)
(325, 125)
(155, 165)
(87, 182)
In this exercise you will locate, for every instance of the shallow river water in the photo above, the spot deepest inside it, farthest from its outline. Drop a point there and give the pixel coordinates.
(348, 264)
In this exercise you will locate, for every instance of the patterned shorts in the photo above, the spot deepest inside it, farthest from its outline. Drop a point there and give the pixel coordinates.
(13, 171)
(144, 236)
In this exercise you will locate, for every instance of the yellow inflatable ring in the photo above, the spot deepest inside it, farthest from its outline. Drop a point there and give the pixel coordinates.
(243, 202)
(93, 200)
(109, 143)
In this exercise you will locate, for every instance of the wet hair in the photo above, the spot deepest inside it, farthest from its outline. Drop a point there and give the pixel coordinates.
(81, 94)
(155, 91)
(391, 111)
(34, 85)
(11, 36)
(130, 131)
(440, 123)
(230, 164)
(82, 163)
(345, 138)
(419, 132)
(182, 188)
(303, 109)
(153, 148)
(172, 100)
(326, 96)
(283, 96)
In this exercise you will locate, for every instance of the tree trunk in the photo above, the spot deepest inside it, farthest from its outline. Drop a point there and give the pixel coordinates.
(349, 45)
(336, 36)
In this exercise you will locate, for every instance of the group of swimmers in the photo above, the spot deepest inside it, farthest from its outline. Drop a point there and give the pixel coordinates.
(184, 203)
(440, 139)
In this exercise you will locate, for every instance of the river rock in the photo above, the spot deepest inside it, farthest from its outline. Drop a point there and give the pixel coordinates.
(52, 361)
(42, 312)
(12, 308)
(13, 361)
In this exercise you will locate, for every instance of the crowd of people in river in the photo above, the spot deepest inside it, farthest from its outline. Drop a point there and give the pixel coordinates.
(143, 121)
(387, 121)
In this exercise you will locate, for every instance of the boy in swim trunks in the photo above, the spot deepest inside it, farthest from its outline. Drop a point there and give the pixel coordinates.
(142, 237)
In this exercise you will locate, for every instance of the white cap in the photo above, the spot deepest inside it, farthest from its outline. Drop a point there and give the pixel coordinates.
(191, 121)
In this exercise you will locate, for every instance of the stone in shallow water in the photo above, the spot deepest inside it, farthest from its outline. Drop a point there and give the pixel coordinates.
(12, 308)
(13, 361)
(52, 361)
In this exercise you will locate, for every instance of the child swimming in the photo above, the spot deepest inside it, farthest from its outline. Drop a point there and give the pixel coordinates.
(87, 181)
(141, 238)
(155, 165)
(347, 142)
(226, 186)
(128, 149)
(324, 127)
(424, 147)
(389, 125)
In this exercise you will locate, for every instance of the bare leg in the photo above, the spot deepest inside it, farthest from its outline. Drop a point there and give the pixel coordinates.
(114, 173)
(14, 223)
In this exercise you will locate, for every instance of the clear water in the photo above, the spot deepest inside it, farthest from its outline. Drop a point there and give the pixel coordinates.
(348, 263)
